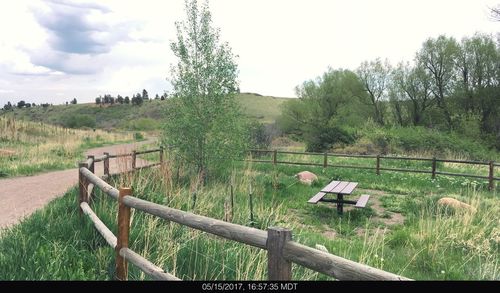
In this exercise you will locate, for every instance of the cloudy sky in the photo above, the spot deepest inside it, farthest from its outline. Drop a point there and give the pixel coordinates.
(56, 50)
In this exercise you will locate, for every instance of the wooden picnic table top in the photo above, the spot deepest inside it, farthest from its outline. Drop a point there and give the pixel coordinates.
(340, 187)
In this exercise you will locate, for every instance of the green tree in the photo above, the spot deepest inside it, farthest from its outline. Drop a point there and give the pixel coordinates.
(74, 101)
(145, 95)
(204, 122)
(413, 84)
(323, 106)
(437, 56)
(375, 77)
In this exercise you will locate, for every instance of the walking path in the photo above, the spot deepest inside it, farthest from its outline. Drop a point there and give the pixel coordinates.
(21, 196)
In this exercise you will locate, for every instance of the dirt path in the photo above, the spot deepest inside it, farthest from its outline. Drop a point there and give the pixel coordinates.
(21, 196)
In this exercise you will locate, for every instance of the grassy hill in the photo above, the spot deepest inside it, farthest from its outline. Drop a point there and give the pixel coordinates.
(145, 117)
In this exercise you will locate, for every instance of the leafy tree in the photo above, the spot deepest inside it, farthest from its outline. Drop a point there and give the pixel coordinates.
(413, 84)
(98, 100)
(437, 56)
(495, 13)
(203, 118)
(74, 101)
(375, 77)
(8, 107)
(119, 99)
(145, 95)
(137, 100)
(157, 97)
(126, 100)
(21, 104)
(323, 106)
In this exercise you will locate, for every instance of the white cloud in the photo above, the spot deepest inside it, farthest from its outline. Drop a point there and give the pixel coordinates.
(86, 48)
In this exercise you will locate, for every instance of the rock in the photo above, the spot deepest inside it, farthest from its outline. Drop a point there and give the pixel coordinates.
(321, 247)
(455, 204)
(306, 177)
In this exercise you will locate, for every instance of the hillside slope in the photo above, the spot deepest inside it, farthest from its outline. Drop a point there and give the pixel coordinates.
(145, 117)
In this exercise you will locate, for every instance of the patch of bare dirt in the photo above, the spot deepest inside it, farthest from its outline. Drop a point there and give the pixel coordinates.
(6, 153)
(328, 232)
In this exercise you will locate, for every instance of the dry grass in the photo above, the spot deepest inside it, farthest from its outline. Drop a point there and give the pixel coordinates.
(29, 147)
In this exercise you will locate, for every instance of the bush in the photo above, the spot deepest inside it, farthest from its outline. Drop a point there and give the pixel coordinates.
(138, 136)
(79, 121)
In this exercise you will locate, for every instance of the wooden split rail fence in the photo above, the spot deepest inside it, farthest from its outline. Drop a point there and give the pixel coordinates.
(433, 171)
(282, 251)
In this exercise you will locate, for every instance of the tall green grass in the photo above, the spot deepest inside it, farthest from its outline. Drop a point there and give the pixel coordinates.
(433, 243)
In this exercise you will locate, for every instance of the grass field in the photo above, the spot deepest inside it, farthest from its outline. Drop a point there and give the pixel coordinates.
(262, 108)
(27, 148)
(402, 230)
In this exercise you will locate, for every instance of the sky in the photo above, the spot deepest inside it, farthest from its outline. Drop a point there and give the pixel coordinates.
(56, 50)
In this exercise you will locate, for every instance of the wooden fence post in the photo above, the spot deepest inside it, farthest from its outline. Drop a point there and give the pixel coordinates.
(325, 160)
(161, 155)
(106, 164)
(232, 201)
(434, 167)
(82, 186)
(378, 165)
(134, 156)
(250, 202)
(491, 184)
(123, 234)
(275, 155)
(278, 268)
(91, 166)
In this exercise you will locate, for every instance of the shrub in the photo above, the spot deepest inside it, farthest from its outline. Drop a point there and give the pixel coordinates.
(138, 136)
(79, 121)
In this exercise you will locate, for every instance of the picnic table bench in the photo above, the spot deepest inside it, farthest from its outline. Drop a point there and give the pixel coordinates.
(340, 188)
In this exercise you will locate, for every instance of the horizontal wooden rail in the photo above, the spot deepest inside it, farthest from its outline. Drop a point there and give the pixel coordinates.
(352, 156)
(105, 187)
(145, 167)
(99, 159)
(462, 175)
(243, 234)
(463, 162)
(351, 166)
(146, 266)
(323, 262)
(300, 153)
(259, 161)
(406, 158)
(148, 151)
(299, 163)
(406, 170)
(99, 225)
(332, 265)
(121, 155)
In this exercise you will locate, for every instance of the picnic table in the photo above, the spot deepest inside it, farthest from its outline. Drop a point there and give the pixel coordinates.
(340, 188)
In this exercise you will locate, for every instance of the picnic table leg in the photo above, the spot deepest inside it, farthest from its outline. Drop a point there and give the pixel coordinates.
(340, 205)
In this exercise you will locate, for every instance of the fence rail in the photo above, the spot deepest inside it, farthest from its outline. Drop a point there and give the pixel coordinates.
(433, 170)
(282, 250)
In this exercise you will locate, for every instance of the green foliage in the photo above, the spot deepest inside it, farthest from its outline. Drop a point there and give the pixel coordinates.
(203, 122)
(138, 136)
(79, 121)
(322, 108)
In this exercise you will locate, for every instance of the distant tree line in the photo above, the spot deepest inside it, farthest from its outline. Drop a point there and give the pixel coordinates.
(137, 99)
(23, 104)
(450, 85)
